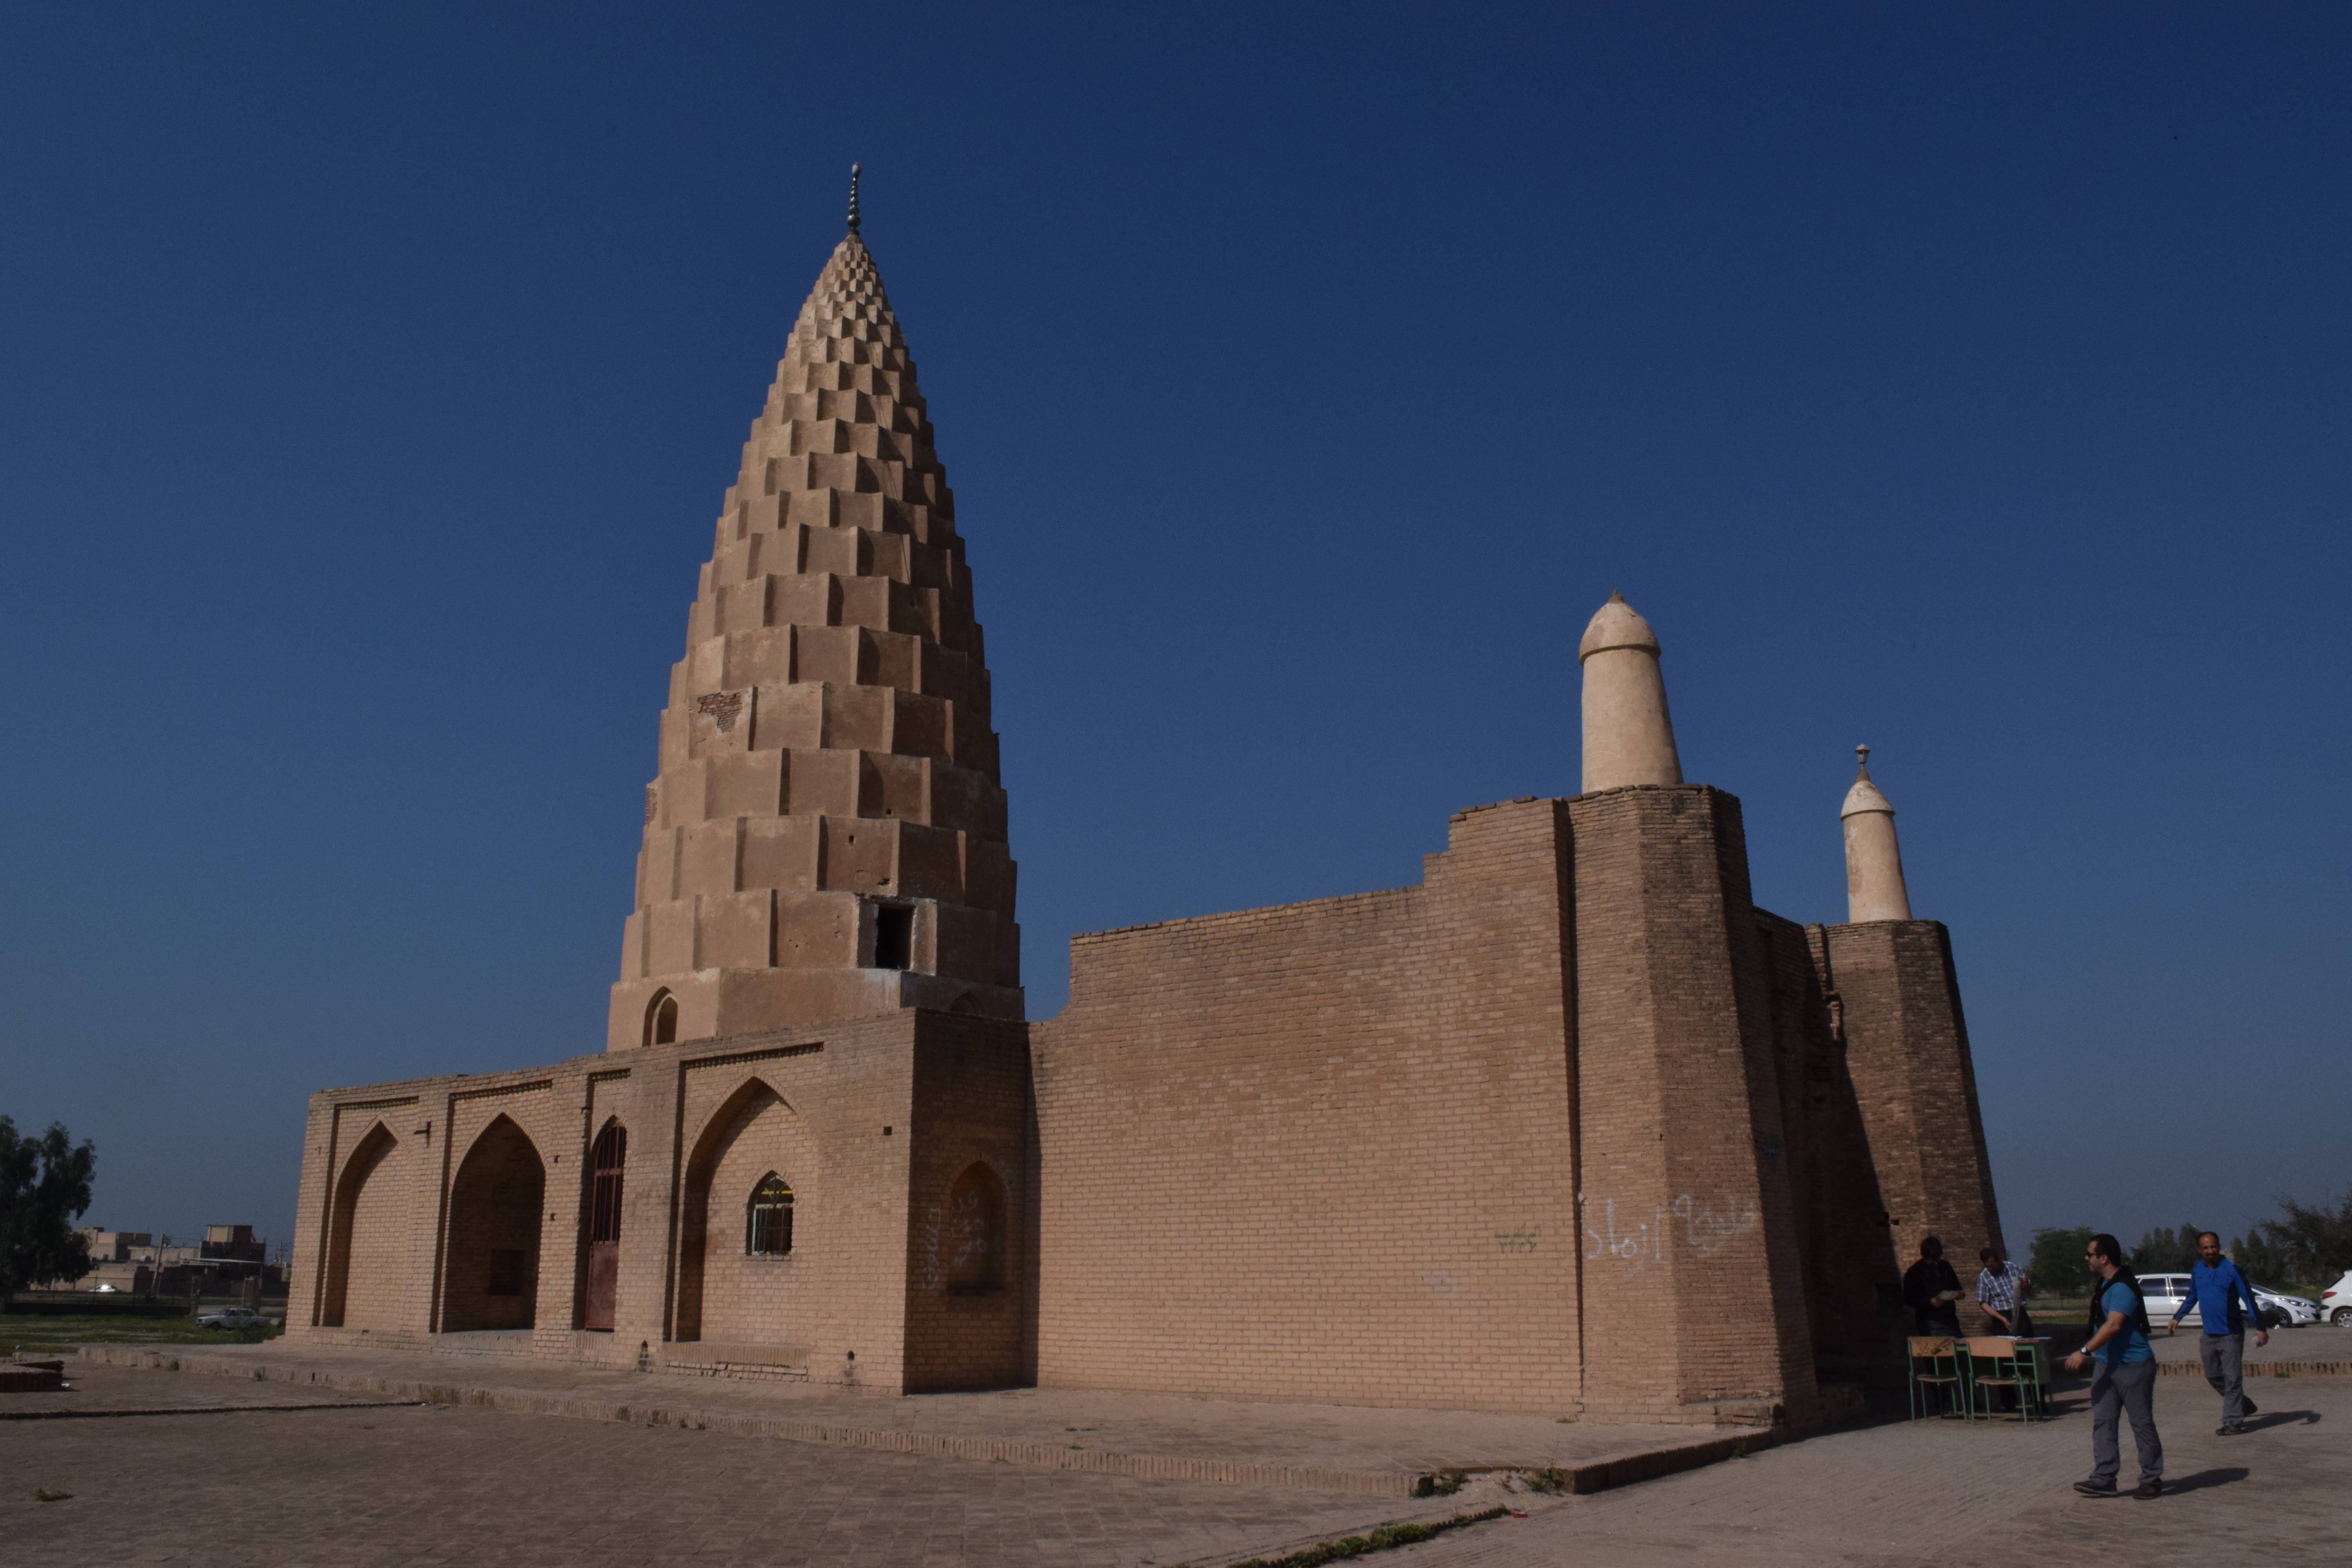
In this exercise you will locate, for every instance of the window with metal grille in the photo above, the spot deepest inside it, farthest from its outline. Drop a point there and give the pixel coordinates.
(768, 1232)
(611, 1152)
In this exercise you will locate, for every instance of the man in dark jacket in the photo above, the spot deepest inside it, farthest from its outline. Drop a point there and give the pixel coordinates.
(2215, 1289)
(2122, 1374)
(1932, 1291)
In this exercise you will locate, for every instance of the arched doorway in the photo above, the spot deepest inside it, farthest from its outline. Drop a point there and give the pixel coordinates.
(491, 1279)
(363, 1241)
(602, 1275)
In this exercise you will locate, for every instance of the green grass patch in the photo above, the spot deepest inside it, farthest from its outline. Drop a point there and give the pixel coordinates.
(61, 1332)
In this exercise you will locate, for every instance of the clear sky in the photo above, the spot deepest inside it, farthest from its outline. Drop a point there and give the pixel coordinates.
(1968, 381)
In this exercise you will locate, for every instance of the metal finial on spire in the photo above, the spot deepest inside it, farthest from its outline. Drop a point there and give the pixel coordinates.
(853, 199)
(1862, 760)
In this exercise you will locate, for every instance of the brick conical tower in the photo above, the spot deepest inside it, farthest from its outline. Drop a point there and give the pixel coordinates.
(827, 838)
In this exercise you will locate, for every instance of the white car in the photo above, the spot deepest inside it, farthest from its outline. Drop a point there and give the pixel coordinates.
(2295, 1311)
(233, 1318)
(2336, 1301)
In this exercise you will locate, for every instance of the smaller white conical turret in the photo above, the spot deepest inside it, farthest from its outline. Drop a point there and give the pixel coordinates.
(1629, 738)
(1874, 861)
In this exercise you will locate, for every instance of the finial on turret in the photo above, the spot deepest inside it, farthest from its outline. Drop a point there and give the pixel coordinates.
(1874, 890)
(853, 199)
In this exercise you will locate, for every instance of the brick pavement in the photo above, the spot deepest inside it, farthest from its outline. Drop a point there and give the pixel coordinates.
(445, 1485)
(1378, 1451)
(449, 1485)
(1946, 1492)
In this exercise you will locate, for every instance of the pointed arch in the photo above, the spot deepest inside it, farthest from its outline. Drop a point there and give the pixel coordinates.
(367, 1157)
(490, 1279)
(972, 1244)
(661, 1018)
(710, 1288)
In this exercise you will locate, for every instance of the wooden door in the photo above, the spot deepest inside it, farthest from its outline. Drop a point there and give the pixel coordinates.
(604, 1162)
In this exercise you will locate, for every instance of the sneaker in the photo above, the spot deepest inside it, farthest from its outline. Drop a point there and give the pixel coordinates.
(2149, 1490)
(2093, 1489)
(2228, 1431)
(2248, 1403)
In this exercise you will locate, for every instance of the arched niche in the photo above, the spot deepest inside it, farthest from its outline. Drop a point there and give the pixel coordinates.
(363, 1239)
(491, 1278)
(727, 1291)
(972, 1233)
(661, 1018)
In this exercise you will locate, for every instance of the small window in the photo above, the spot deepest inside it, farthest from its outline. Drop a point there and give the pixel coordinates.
(509, 1271)
(661, 1019)
(770, 1232)
(894, 936)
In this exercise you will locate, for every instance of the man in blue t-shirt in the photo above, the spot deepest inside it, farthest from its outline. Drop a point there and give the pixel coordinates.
(2123, 1376)
(2215, 1289)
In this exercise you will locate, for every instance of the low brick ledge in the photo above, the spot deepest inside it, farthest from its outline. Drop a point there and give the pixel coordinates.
(1591, 1476)
(2257, 1370)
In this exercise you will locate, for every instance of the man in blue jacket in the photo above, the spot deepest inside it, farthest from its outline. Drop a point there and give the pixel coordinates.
(2215, 1289)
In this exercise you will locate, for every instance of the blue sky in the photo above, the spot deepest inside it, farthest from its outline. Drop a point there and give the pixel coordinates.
(1972, 383)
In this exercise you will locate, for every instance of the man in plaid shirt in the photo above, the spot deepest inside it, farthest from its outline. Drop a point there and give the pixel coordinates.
(2000, 1292)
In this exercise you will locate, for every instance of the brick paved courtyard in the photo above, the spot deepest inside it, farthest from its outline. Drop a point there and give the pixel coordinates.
(442, 1484)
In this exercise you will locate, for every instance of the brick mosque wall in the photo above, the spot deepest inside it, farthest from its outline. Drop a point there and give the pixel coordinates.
(411, 1192)
(1324, 1151)
(1694, 1292)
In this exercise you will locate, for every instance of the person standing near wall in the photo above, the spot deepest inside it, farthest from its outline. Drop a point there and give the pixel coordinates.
(2215, 1289)
(1932, 1291)
(2123, 1376)
(2000, 1292)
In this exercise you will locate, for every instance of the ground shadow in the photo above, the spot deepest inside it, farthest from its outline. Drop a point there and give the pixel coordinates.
(2283, 1418)
(2204, 1480)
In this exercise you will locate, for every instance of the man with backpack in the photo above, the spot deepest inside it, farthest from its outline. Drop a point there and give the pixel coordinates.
(2123, 1376)
(2215, 1288)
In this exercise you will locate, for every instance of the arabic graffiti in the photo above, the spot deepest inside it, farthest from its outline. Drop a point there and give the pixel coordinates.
(1516, 1240)
(1706, 1228)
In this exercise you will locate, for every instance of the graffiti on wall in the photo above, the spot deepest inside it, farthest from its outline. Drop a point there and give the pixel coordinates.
(1703, 1228)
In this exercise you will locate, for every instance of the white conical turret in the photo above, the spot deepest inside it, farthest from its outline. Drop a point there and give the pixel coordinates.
(1629, 738)
(1874, 861)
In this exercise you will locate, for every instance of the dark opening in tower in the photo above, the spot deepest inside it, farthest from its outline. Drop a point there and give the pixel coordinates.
(894, 936)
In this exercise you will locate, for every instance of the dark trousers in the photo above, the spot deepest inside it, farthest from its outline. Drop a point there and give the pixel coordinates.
(2224, 1356)
(2115, 1392)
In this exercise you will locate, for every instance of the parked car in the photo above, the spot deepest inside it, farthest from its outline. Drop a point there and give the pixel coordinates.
(2163, 1293)
(104, 1290)
(2293, 1311)
(233, 1318)
(2336, 1301)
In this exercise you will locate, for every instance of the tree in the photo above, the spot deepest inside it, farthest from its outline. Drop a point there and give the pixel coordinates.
(2056, 1265)
(2309, 1245)
(2163, 1251)
(44, 1188)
